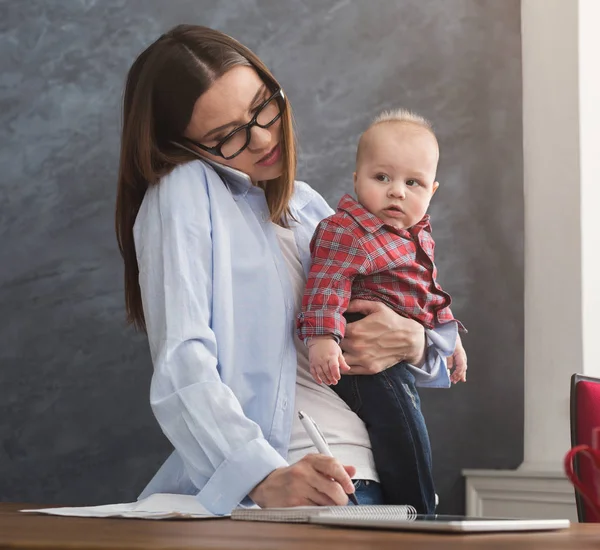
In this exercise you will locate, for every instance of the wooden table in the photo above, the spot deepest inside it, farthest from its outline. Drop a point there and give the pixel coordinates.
(28, 531)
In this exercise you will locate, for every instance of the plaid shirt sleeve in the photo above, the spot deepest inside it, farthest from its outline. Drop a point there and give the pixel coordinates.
(445, 314)
(337, 258)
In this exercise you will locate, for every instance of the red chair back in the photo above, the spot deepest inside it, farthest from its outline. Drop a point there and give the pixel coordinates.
(585, 415)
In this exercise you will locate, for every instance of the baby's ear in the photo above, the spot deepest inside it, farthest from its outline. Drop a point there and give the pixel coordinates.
(436, 184)
(354, 176)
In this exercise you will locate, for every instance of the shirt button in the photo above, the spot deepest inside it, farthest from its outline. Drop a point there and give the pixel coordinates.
(284, 404)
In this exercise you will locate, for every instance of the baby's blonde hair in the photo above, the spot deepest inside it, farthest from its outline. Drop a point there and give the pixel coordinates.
(396, 115)
(401, 115)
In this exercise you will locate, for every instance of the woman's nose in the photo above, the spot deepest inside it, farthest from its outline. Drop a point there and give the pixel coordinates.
(259, 138)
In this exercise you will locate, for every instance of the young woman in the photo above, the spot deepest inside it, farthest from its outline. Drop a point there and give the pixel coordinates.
(214, 232)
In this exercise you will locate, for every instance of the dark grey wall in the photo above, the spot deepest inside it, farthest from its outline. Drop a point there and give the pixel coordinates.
(75, 424)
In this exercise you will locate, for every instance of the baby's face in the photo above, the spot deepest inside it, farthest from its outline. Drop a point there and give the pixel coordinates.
(395, 174)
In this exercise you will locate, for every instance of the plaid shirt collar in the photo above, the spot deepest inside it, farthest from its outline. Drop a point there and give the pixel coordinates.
(371, 223)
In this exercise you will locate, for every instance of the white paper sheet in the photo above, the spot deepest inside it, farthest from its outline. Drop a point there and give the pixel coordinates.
(157, 506)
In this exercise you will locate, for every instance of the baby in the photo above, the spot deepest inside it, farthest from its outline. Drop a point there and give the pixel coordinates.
(380, 248)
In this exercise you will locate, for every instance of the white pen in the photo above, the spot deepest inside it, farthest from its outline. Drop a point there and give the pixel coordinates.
(319, 441)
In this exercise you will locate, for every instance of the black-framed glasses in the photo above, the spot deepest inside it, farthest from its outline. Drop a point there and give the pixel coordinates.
(267, 114)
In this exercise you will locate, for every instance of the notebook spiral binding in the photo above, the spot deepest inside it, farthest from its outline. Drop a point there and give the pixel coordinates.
(374, 511)
(304, 514)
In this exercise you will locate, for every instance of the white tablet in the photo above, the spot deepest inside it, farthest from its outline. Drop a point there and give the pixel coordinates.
(449, 524)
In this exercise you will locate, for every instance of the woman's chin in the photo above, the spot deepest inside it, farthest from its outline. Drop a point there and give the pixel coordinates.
(267, 173)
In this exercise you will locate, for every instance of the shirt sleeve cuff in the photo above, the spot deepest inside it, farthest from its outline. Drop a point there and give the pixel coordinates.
(334, 336)
(320, 323)
(443, 338)
(441, 343)
(237, 476)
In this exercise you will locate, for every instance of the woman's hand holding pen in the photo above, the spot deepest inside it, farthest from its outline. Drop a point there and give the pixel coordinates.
(315, 480)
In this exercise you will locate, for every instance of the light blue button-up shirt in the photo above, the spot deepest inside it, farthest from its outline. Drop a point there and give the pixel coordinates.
(220, 318)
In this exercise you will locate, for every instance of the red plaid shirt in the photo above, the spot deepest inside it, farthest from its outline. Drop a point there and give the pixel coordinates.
(355, 254)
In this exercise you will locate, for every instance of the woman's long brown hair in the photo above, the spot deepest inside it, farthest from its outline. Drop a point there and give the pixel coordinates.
(162, 87)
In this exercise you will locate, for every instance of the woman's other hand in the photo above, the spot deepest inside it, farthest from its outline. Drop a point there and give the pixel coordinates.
(382, 339)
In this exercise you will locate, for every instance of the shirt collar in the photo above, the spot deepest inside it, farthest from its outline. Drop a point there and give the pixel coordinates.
(370, 222)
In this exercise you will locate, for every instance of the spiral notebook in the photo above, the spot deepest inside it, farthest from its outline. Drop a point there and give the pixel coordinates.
(307, 514)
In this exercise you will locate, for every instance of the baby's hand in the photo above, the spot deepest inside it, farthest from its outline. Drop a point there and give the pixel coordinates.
(326, 360)
(458, 362)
